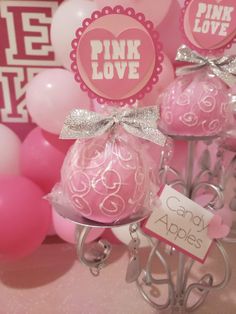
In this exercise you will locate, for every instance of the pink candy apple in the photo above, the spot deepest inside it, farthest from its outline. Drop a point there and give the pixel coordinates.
(105, 178)
(195, 105)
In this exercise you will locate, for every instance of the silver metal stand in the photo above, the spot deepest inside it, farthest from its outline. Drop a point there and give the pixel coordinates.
(230, 174)
(179, 291)
(175, 282)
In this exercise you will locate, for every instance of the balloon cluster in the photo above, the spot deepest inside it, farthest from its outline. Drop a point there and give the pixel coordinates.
(30, 169)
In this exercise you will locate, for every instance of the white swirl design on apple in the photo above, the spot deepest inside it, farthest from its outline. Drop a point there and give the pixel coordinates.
(213, 127)
(112, 205)
(207, 103)
(107, 181)
(189, 119)
(82, 205)
(126, 159)
(224, 109)
(79, 183)
(210, 88)
(166, 99)
(91, 156)
(168, 117)
(139, 181)
(183, 100)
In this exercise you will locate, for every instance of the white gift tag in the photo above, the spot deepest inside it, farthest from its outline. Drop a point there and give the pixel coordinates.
(181, 223)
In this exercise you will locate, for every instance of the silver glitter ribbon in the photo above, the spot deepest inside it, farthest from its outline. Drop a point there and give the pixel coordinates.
(140, 122)
(223, 67)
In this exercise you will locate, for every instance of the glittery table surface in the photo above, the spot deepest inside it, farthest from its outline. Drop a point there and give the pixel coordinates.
(51, 281)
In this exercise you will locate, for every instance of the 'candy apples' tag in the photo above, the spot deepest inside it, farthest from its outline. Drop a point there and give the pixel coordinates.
(116, 56)
(210, 24)
(181, 223)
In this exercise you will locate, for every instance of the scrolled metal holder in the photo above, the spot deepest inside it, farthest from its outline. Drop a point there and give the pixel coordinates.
(179, 291)
(231, 238)
(177, 296)
(230, 174)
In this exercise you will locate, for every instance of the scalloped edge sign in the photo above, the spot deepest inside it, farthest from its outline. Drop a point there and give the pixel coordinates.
(116, 56)
(209, 26)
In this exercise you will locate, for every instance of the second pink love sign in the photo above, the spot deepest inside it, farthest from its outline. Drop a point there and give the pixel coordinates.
(116, 56)
(210, 24)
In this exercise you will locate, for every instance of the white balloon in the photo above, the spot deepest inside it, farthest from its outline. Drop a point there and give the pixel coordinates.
(10, 146)
(122, 234)
(66, 20)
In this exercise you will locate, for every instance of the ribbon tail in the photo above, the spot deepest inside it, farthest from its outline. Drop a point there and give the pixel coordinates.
(68, 133)
(146, 133)
(84, 124)
(189, 69)
(223, 67)
(185, 54)
(227, 77)
(148, 114)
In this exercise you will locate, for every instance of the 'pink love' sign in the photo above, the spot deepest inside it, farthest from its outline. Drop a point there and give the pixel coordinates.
(116, 56)
(210, 24)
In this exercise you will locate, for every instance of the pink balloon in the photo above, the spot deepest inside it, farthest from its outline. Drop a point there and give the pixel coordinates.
(9, 151)
(25, 217)
(110, 237)
(166, 77)
(51, 230)
(41, 160)
(66, 229)
(66, 20)
(169, 30)
(51, 95)
(153, 10)
(61, 145)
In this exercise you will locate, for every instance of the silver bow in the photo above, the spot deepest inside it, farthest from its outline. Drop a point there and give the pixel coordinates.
(223, 67)
(140, 122)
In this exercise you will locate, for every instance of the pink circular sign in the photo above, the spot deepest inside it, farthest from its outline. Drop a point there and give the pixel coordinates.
(116, 56)
(210, 25)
